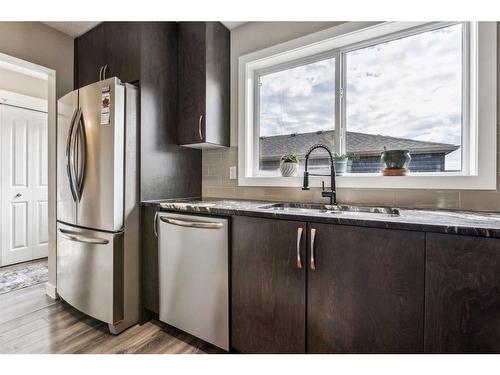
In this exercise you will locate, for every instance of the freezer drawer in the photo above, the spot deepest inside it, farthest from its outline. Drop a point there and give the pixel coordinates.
(90, 271)
(194, 275)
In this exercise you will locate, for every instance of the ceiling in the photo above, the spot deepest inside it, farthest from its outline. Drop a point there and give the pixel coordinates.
(77, 28)
(232, 24)
(73, 29)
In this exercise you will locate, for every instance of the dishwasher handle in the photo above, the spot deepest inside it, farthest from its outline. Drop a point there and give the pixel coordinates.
(190, 223)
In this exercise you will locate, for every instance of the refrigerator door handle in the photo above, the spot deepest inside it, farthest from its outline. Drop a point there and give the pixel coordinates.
(72, 236)
(72, 156)
(68, 154)
(82, 154)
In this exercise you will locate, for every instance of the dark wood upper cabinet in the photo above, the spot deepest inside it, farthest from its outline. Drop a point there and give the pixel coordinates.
(113, 46)
(91, 55)
(462, 309)
(267, 287)
(204, 84)
(366, 293)
(123, 42)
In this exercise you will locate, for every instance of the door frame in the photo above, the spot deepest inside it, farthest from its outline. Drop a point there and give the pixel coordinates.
(42, 71)
(23, 101)
(18, 102)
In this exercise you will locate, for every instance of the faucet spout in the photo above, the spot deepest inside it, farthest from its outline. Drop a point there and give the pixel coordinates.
(332, 194)
(305, 185)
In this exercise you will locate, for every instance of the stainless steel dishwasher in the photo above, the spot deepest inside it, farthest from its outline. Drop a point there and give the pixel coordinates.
(194, 275)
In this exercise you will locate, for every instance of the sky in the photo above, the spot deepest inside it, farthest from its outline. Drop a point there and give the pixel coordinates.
(408, 88)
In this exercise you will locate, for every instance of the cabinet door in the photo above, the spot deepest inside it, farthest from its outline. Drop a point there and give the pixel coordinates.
(149, 260)
(123, 41)
(192, 81)
(217, 84)
(90, 56)
(268, 288)
(366, 294)
(462, 309)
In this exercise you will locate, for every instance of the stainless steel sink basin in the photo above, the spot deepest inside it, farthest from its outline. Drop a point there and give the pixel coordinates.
(331, 209)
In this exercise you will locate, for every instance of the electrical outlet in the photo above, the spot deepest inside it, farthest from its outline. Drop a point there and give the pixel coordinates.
(232, 173)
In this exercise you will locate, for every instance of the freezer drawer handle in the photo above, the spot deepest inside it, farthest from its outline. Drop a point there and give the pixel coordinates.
(73, 237)
(191, 224)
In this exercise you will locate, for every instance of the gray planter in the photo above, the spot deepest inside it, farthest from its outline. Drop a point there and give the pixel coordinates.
(395, 159)
(289, 169)
(340, 165)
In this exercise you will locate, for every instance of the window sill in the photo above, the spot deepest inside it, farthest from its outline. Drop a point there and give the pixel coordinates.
(449, 180)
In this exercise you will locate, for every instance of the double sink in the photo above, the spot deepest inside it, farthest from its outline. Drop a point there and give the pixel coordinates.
(331, 209)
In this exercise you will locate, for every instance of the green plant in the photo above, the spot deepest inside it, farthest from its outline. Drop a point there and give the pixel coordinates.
(352, 156)
(290, 158)
(339, 156)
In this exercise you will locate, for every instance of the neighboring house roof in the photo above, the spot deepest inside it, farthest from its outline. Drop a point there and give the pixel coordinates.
(361, 144)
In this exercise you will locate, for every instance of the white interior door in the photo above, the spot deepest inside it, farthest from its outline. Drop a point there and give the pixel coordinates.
(24, 164)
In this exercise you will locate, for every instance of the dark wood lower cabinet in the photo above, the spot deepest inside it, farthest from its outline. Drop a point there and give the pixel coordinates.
(366, 294)
(268, 289)
(149, 260)
(462, 309)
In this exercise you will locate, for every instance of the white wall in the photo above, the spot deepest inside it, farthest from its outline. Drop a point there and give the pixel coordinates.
(42, 45)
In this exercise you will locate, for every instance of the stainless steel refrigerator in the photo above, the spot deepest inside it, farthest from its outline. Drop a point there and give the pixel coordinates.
(98, 202)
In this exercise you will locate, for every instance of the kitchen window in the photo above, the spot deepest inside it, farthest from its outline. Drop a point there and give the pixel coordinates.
(368, 86)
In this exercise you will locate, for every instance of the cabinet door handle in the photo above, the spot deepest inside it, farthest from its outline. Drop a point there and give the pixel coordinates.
(199, 127)
(100, 73)
(155, 224)
(299, 238)
(313, 237)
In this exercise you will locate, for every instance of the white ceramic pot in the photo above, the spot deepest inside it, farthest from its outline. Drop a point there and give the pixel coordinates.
(289, 169)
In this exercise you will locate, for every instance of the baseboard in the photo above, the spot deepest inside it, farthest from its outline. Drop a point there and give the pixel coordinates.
(51, 290)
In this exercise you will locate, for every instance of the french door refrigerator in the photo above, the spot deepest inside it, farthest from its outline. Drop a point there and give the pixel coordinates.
(98, 202)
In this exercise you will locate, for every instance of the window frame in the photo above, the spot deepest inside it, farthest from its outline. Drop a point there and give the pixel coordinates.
(478, 117)
(279, 68)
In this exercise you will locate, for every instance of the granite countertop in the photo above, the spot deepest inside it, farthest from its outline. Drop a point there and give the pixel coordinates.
(437, 221)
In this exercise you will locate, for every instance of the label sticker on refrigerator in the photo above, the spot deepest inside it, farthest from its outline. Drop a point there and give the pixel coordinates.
(105, 105)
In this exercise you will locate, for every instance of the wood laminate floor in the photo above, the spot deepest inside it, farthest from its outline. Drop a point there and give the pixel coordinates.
(31, 322)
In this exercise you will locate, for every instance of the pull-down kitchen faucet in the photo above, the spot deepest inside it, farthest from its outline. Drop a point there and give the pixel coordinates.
(332, 193)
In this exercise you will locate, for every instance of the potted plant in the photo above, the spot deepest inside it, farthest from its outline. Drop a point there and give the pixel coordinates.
(395, 162)
(340, 163)
(351, 156)
(289, 165)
